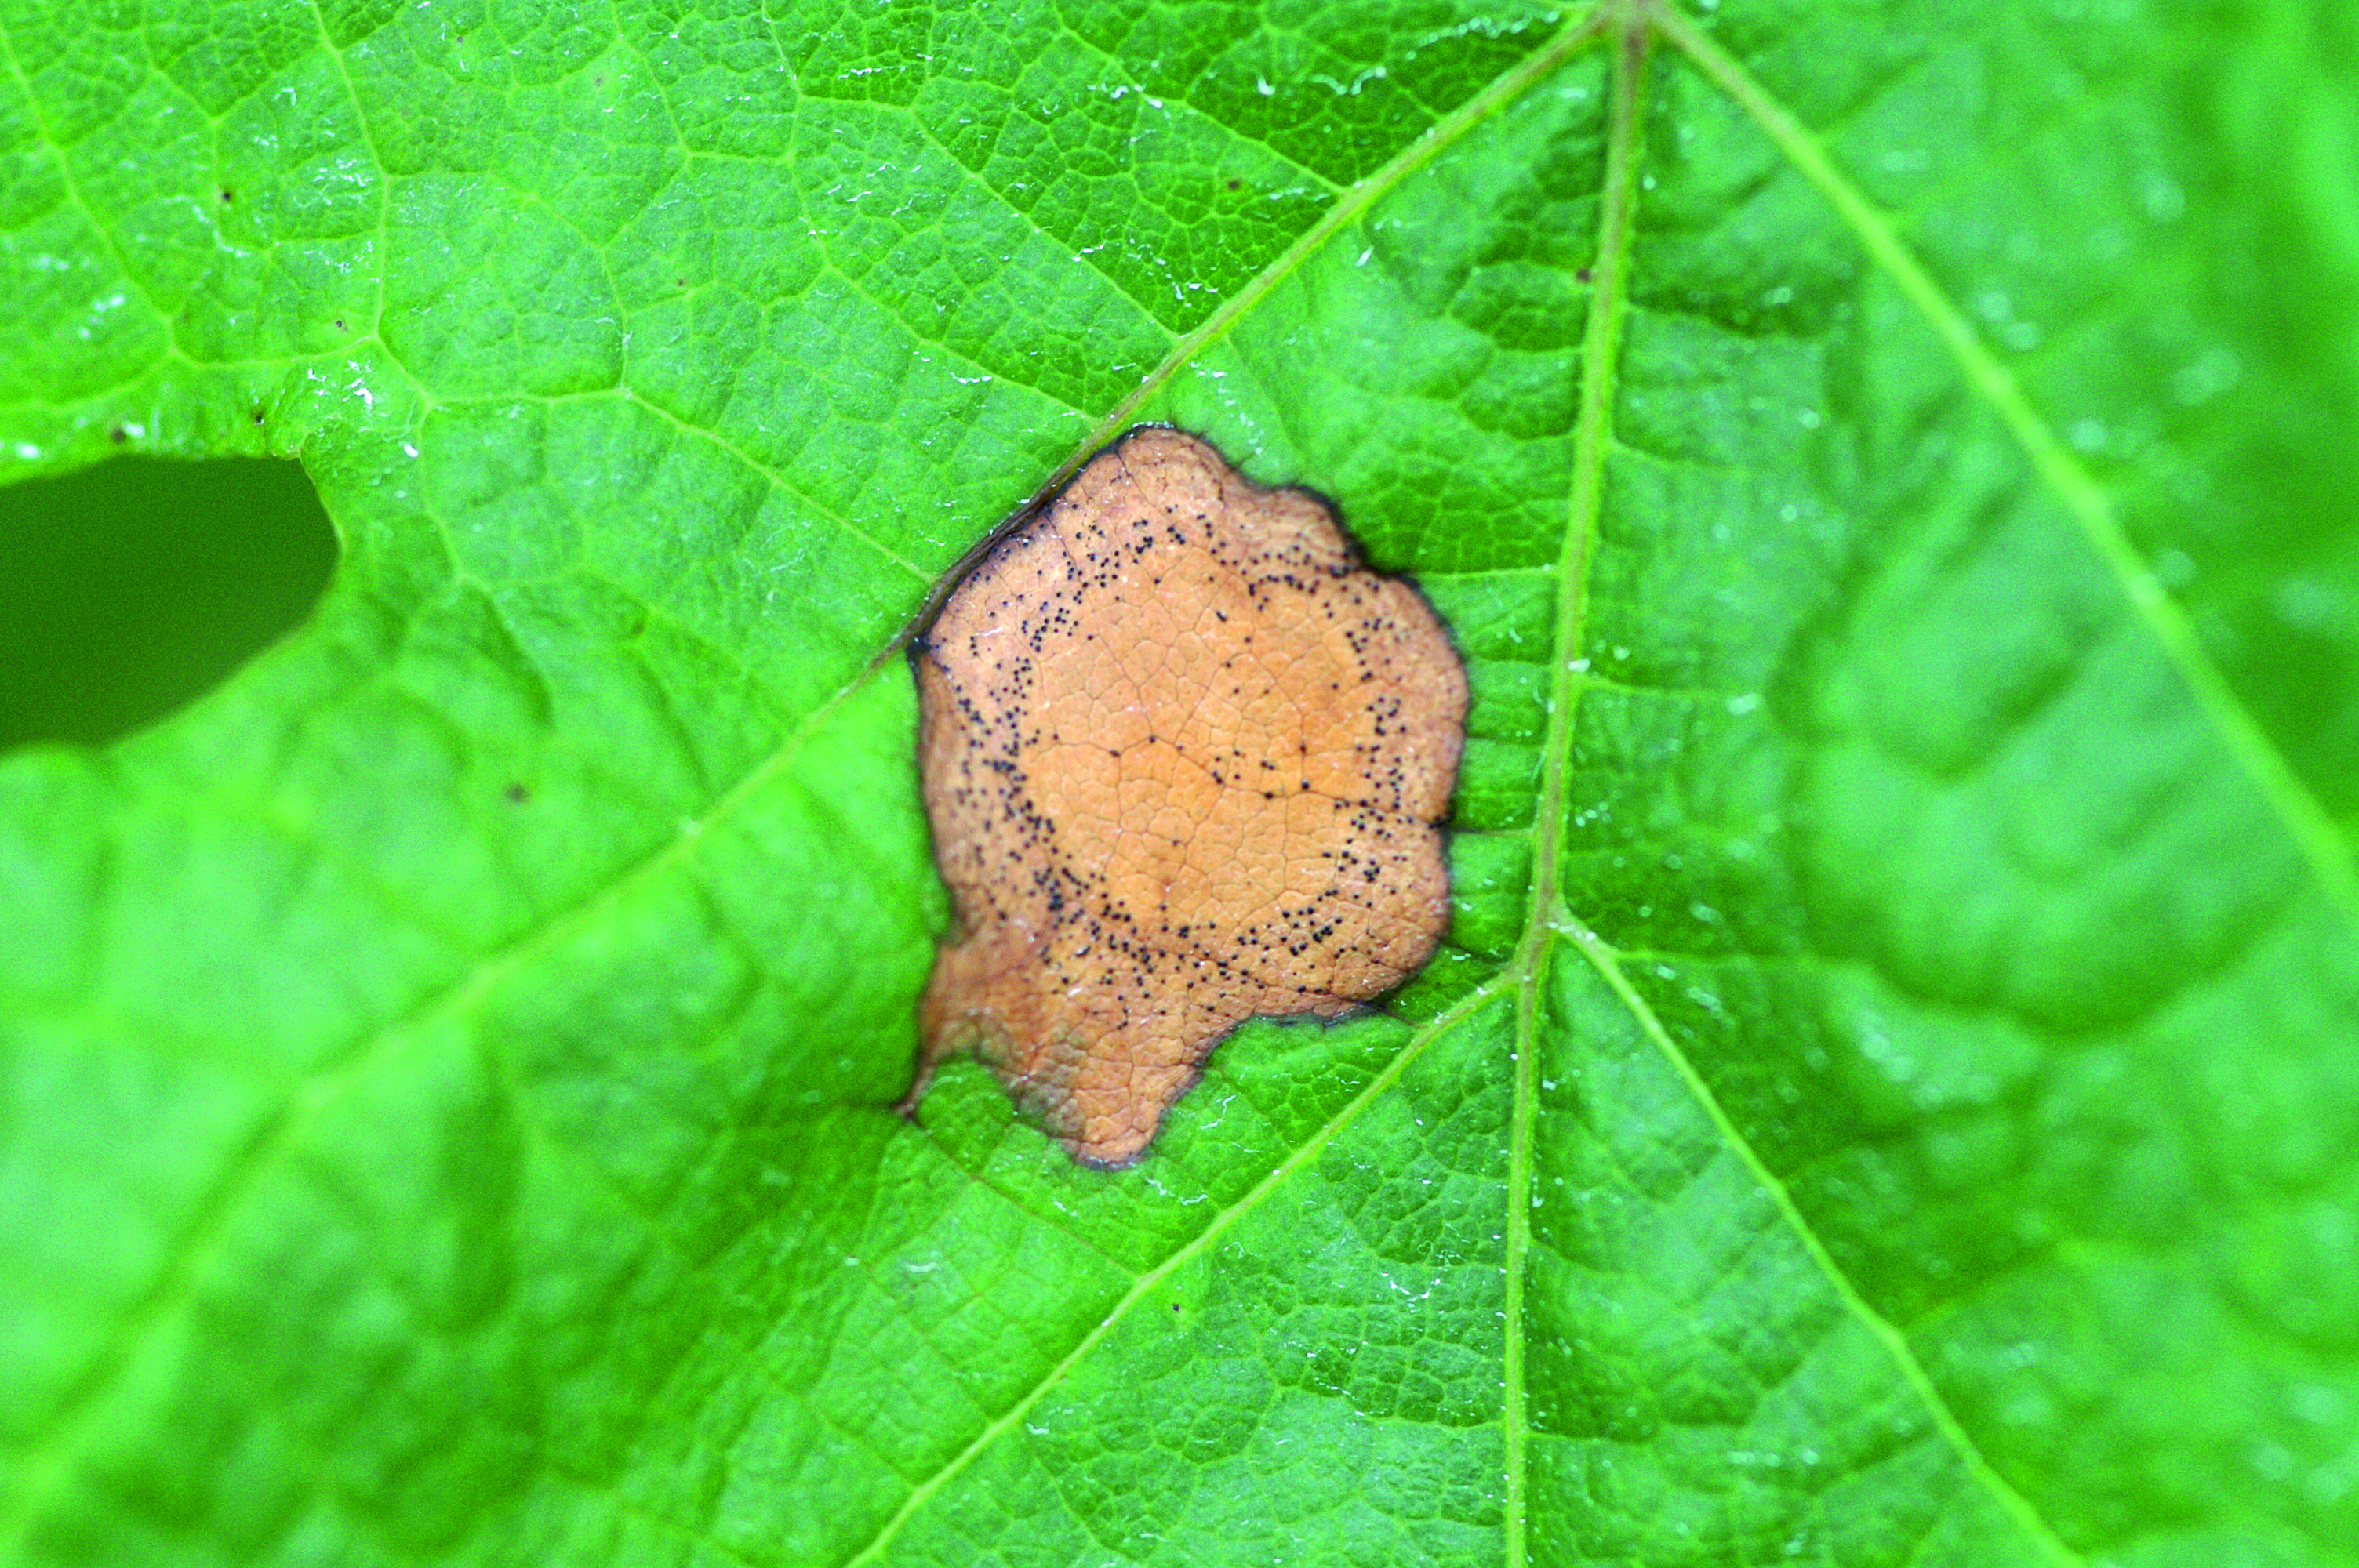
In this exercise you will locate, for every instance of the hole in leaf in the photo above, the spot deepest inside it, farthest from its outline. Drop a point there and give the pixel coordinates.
(131, 588)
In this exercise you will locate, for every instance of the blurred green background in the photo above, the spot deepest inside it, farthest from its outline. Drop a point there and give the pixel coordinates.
(130, 589)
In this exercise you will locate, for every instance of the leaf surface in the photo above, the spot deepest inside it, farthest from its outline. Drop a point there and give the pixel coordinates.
(1887, 1095)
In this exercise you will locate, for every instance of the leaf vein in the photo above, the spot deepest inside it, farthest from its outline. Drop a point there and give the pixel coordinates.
(1593, 439)
(2084, 500)
(1608, 965)
(1390, 1073)
(47, 1458)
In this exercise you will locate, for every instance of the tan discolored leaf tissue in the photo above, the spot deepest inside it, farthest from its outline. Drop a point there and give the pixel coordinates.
(1186, 761)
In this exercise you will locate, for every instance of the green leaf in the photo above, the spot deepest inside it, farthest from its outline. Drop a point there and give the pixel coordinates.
(1890, 1092)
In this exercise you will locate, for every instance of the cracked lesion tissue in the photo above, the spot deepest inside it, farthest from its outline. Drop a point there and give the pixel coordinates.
(1186, 761)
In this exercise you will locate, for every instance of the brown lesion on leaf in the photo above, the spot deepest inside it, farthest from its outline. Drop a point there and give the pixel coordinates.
(1186, 760)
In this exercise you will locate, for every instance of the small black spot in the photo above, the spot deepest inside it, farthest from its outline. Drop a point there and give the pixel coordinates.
(118, 435)
(518, 795)
(1234, 185)
(227, 195)
(1583, 274)
(258, 415)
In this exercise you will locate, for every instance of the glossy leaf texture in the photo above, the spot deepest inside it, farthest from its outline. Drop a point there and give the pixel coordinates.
(1889, 1094)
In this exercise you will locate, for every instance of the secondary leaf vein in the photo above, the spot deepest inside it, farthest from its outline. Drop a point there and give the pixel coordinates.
(1608, 965)
(2305, 819)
